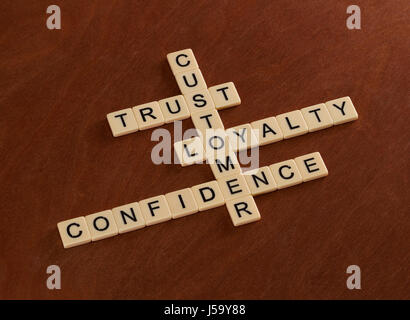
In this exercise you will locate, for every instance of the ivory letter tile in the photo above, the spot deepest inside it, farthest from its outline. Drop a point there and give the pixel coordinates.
(189, 81)
(181, 203)
(233, 186)
(155, 210)
(216, 143)
(128, 217)
(149, 115)
(317, 117)
(74, 232)
(220, 154)
(342, 110)
(243, 210)
(292, 124)
(225, 164)
(267, 130)
(208, 195)
(199, 101)
(122, 122)
(208, 119)
(225, 95)
(189, 151)
(311, 166)
(174, 108)
(286, 174)
(242, 137)
(182, 60)
(260, 181)
(101, 225)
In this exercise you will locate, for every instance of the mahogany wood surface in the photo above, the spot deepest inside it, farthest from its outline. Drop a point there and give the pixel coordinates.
(59, 159)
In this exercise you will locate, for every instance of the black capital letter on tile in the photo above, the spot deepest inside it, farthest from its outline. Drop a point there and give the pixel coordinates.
(223, 92)
(241, 206)
(69, 230)
(182, 64)
(131, 217)
(308, 165)
(204, 199)
(145, 112)
(151, 208)
(121, 116)
(315, 111)
(107, 223)
(285, 177)
(290, 125)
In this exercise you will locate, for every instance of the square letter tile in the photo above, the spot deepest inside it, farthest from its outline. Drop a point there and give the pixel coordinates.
(286, 174)
(342, 110)
(243, 210)
(292, 124)
(267, 130)
(225, 95)
(199, 101)
(189, 81)
(260, 181)
(148, 115)
(225, 164)
(233, 186)
(317, 117)
(189, 151)
(74, 232)
(181, 203)
(208, 119)
(122, 122)
(101, 225)
(155, 210)
(242, 137)
(216, 143)
(182, 60)
(128, 217)
(174, 108)
(208, 195)
(311, 166)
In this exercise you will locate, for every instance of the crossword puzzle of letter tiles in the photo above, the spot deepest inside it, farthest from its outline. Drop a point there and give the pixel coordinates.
(216, 145)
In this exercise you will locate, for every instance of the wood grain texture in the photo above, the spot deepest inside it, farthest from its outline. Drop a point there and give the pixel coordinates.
(59, 159)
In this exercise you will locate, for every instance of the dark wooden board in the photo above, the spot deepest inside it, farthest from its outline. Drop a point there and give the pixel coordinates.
(59, 159)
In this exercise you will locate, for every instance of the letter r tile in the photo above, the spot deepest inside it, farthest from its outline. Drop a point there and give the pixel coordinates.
(148, 115)
(243, 210)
